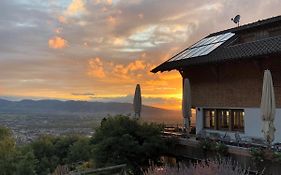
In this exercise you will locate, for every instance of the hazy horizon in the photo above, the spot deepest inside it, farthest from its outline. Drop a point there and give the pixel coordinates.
(17, 99)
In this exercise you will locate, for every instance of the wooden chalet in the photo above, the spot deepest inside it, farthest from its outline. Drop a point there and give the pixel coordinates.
(225, 70)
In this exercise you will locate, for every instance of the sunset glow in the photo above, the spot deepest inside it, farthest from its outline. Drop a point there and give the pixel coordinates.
(98, 50)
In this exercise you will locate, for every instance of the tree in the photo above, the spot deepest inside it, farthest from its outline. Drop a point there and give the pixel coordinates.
(44, 151)
(7, 151)
(123, 140)
(26, 162)
(81, 150)
(13, 160)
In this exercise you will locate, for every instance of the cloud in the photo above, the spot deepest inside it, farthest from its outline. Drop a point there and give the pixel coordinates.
(96, 68)
(58, 30)
(57, 43)
(109, 2)
(167, 103)
(83, 94)
(109, 71)
(112, 20)
(76, 7)
(114, 44)
(62, 19)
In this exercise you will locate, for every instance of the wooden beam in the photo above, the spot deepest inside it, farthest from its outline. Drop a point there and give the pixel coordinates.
(181, 72)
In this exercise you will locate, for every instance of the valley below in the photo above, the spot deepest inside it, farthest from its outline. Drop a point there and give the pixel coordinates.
(28, 119)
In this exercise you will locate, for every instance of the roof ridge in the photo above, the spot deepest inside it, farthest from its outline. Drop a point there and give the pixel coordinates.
(259, 22)
(255, 41)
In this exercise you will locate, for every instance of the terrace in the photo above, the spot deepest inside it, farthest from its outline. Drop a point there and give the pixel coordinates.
(252, 153)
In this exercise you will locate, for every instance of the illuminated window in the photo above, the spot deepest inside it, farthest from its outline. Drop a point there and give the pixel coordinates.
(238, 120)
(224, 119)
(209, 119)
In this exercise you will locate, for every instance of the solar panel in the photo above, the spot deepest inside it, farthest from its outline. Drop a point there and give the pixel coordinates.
(203, 47)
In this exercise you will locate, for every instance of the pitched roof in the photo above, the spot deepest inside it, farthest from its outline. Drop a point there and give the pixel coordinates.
(227, 51)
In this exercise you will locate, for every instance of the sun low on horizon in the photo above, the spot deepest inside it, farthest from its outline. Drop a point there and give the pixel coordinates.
(98, 50)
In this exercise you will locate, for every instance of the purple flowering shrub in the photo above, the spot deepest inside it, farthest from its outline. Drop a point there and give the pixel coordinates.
(209, 167)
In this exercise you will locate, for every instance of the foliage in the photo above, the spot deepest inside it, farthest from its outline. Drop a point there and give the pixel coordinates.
(14, 160)
(54, 151)
(81, 150)
(257, 154)
(209, 167)
(206, 145)
(123, 140)
(118, 140)
(25, 161)
(277, 156)
(221, 149)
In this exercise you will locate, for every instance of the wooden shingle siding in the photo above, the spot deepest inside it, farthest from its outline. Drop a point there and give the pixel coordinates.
(232, 84)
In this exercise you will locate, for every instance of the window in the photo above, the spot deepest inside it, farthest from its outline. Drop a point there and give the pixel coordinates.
(238, 120)
(209, 119)
(224, 119)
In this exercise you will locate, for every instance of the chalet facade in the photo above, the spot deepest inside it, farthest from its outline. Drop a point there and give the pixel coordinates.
(225, 70)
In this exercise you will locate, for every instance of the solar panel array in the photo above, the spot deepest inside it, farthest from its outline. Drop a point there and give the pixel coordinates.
(203, 47)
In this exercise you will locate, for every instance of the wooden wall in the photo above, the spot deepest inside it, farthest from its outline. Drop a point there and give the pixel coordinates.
(233, 84)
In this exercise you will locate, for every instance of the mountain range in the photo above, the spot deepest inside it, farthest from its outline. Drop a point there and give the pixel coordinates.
(57, 107)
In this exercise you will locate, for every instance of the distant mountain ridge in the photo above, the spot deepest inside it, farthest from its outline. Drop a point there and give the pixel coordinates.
(54, 107)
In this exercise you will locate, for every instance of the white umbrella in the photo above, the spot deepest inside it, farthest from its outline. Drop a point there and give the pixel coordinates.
(268, 107)
(137, 102)
(186, 103)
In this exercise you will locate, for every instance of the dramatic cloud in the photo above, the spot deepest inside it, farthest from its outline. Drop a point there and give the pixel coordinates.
(97, 69)
(118, 72)
(107, 46)
(57, 42)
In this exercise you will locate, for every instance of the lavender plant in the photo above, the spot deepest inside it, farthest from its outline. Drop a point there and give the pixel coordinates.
(209, 167)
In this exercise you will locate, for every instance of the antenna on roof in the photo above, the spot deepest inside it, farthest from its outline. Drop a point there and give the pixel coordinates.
(236, 19)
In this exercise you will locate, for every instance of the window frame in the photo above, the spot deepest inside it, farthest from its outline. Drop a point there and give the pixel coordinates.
(215, 118)
(231, 119)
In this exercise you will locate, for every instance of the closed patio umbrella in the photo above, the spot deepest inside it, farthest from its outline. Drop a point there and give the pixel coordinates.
(186, 103)
(268, 107)
(137, 102)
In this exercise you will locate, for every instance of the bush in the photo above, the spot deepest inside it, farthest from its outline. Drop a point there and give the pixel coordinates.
(209, 167)
(123, 140)
(206, 145)
(14, 160)
(257, 154)
(221, 149)
(53, 151)
(277, 156)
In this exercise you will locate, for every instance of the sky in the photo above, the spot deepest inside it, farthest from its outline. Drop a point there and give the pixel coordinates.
(98, 50)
